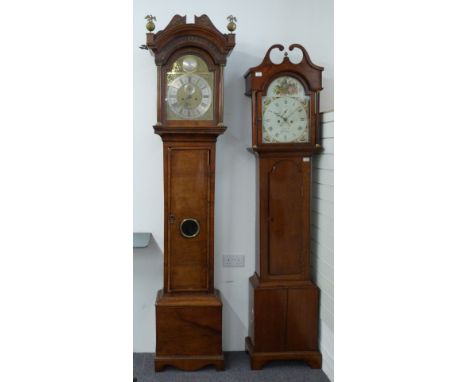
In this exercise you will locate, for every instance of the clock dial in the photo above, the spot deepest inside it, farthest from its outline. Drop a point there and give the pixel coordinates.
(285, 112)
(189, 92)
(189, 96)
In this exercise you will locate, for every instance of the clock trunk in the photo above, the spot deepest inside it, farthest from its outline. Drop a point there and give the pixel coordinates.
(189, 181)
(284, 183)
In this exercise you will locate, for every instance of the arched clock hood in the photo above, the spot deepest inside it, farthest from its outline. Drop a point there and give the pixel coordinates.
(179, 34)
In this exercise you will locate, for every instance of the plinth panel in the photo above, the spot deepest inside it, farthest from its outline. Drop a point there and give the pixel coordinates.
(284, 318)
(189, 331)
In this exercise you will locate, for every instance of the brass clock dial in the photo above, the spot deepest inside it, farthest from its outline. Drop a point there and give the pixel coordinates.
(189, 94)
(285, 112)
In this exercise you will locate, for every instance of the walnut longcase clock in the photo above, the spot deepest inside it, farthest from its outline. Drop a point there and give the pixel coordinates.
(285, 134)
(190, 60)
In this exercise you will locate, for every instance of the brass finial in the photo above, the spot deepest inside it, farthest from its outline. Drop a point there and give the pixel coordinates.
(232, 25)
(150, 24)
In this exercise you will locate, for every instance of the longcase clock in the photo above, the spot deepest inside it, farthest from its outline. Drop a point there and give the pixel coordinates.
(283, 300)
(190, 59)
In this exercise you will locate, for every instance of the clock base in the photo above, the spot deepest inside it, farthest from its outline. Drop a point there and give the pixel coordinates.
(189, 331)
(189, 363)
(283, 322)
(259, 359)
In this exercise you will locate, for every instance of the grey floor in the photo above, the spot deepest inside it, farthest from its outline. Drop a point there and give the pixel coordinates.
(237, 367)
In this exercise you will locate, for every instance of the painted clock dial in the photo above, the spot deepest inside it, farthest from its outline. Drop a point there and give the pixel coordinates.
(285, 112)
(189, 93)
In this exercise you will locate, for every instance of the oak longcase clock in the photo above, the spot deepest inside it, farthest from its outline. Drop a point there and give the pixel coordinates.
(283, 300)
(190, 59)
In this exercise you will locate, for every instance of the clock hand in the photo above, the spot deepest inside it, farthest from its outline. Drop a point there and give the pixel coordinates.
(290, 114)
(279, 115)
(282, 114)
(285, 119)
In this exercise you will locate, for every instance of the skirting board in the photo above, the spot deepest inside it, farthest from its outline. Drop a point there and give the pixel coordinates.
(326, 347)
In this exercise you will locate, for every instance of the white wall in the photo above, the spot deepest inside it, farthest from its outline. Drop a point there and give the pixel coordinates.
(322, 238)
(261, 23)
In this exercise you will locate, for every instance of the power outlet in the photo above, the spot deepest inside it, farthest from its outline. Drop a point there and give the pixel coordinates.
(233, 260)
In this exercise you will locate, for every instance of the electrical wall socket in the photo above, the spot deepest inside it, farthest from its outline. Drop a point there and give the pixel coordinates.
(233, 260)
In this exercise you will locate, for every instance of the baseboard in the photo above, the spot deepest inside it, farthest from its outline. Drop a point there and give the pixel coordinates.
(326, 347)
